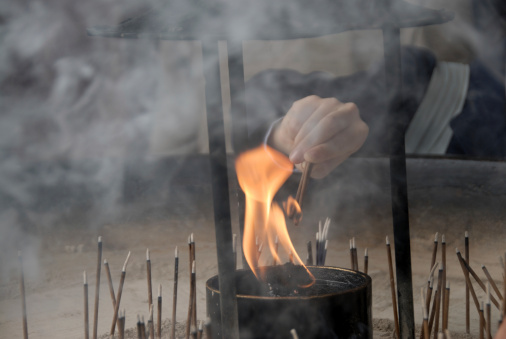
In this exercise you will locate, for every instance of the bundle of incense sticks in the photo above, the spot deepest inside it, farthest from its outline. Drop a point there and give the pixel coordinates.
(299, 197)
(322, 242)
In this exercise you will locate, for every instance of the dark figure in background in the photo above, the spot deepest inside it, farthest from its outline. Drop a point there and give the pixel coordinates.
(452, 108)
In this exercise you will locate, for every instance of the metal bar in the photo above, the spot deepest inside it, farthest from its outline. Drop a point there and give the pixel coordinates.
(398, 181)
(239, 120)
(220, 189)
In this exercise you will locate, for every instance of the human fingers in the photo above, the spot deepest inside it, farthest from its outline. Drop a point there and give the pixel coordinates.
(298, 114)
(337, 132)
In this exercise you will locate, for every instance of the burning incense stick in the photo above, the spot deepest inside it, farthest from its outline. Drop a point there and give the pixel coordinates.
(23, 296)
(309, 260)
(97, 288)
(151, 325)
(86, 318)
(148, 272)
(392, 288)
(194, 286)
(468, 281)
(120, 291)
(478, 280)
(109, 281)
(159, 319)
(492, 282)
(446, 306)
(466, 253)
(352, 258)
(366, 261)
(304, 180)
(174, 295)
(488, 314)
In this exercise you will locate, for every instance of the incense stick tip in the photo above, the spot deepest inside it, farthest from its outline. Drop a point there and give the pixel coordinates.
(85, 279)
(176, 252)
(443, 239)
(466, 234)
(160, 290)
(126, 262)
(436, 236)
(387, 240)
(105, 262)
(457, 250)
(366, 253)
(100, 239)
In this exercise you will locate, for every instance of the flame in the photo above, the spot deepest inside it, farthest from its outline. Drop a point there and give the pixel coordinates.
(261, 172)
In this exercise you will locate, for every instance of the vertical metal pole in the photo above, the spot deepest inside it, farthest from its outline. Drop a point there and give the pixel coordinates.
(239, 119)
(398, 181)
(221, 199)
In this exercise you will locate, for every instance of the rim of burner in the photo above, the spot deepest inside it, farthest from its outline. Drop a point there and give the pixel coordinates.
(367, 282)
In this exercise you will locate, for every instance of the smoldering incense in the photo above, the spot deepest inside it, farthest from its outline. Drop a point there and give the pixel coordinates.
(109, 281)
(293, 332)
(352, 262)
(392, 287)
(148, 273)
(159, 318)
(466, 253)
(492, 282)
(190, 304)
(86, 313)
(434, 250)
(97, 287)
(23, 296)
(174, 295)
(194, 278)
(120, 291)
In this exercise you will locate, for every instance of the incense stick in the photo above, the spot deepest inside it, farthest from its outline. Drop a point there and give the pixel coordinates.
(446, 306)
(97, 288)
(174, 294)
(355, 257)
(366, 261)
(109, 281)
(466, 253)
(151, 325)
(352, 258)
(309, 260)
(434, 250)
(86, 313)
(121, 325)
(120, 291)
(139, 327)
(143, 328)
(425, 325)
(200, 330)
(492, 282)
(443, 284)
(23, 296)
(468, 281)
(189, 318)
(304, 180)
(392, 288)
(438, 298)
(488, 314)
(482, 321)
(477, 279)
(159, 318)
(148, 273)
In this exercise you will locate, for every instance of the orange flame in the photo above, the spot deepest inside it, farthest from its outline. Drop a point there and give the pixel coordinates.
(261, 173)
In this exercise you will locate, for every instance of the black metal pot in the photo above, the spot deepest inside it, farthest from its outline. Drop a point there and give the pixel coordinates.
(338, 305)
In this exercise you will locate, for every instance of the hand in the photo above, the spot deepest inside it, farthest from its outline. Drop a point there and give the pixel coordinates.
(324, 132)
